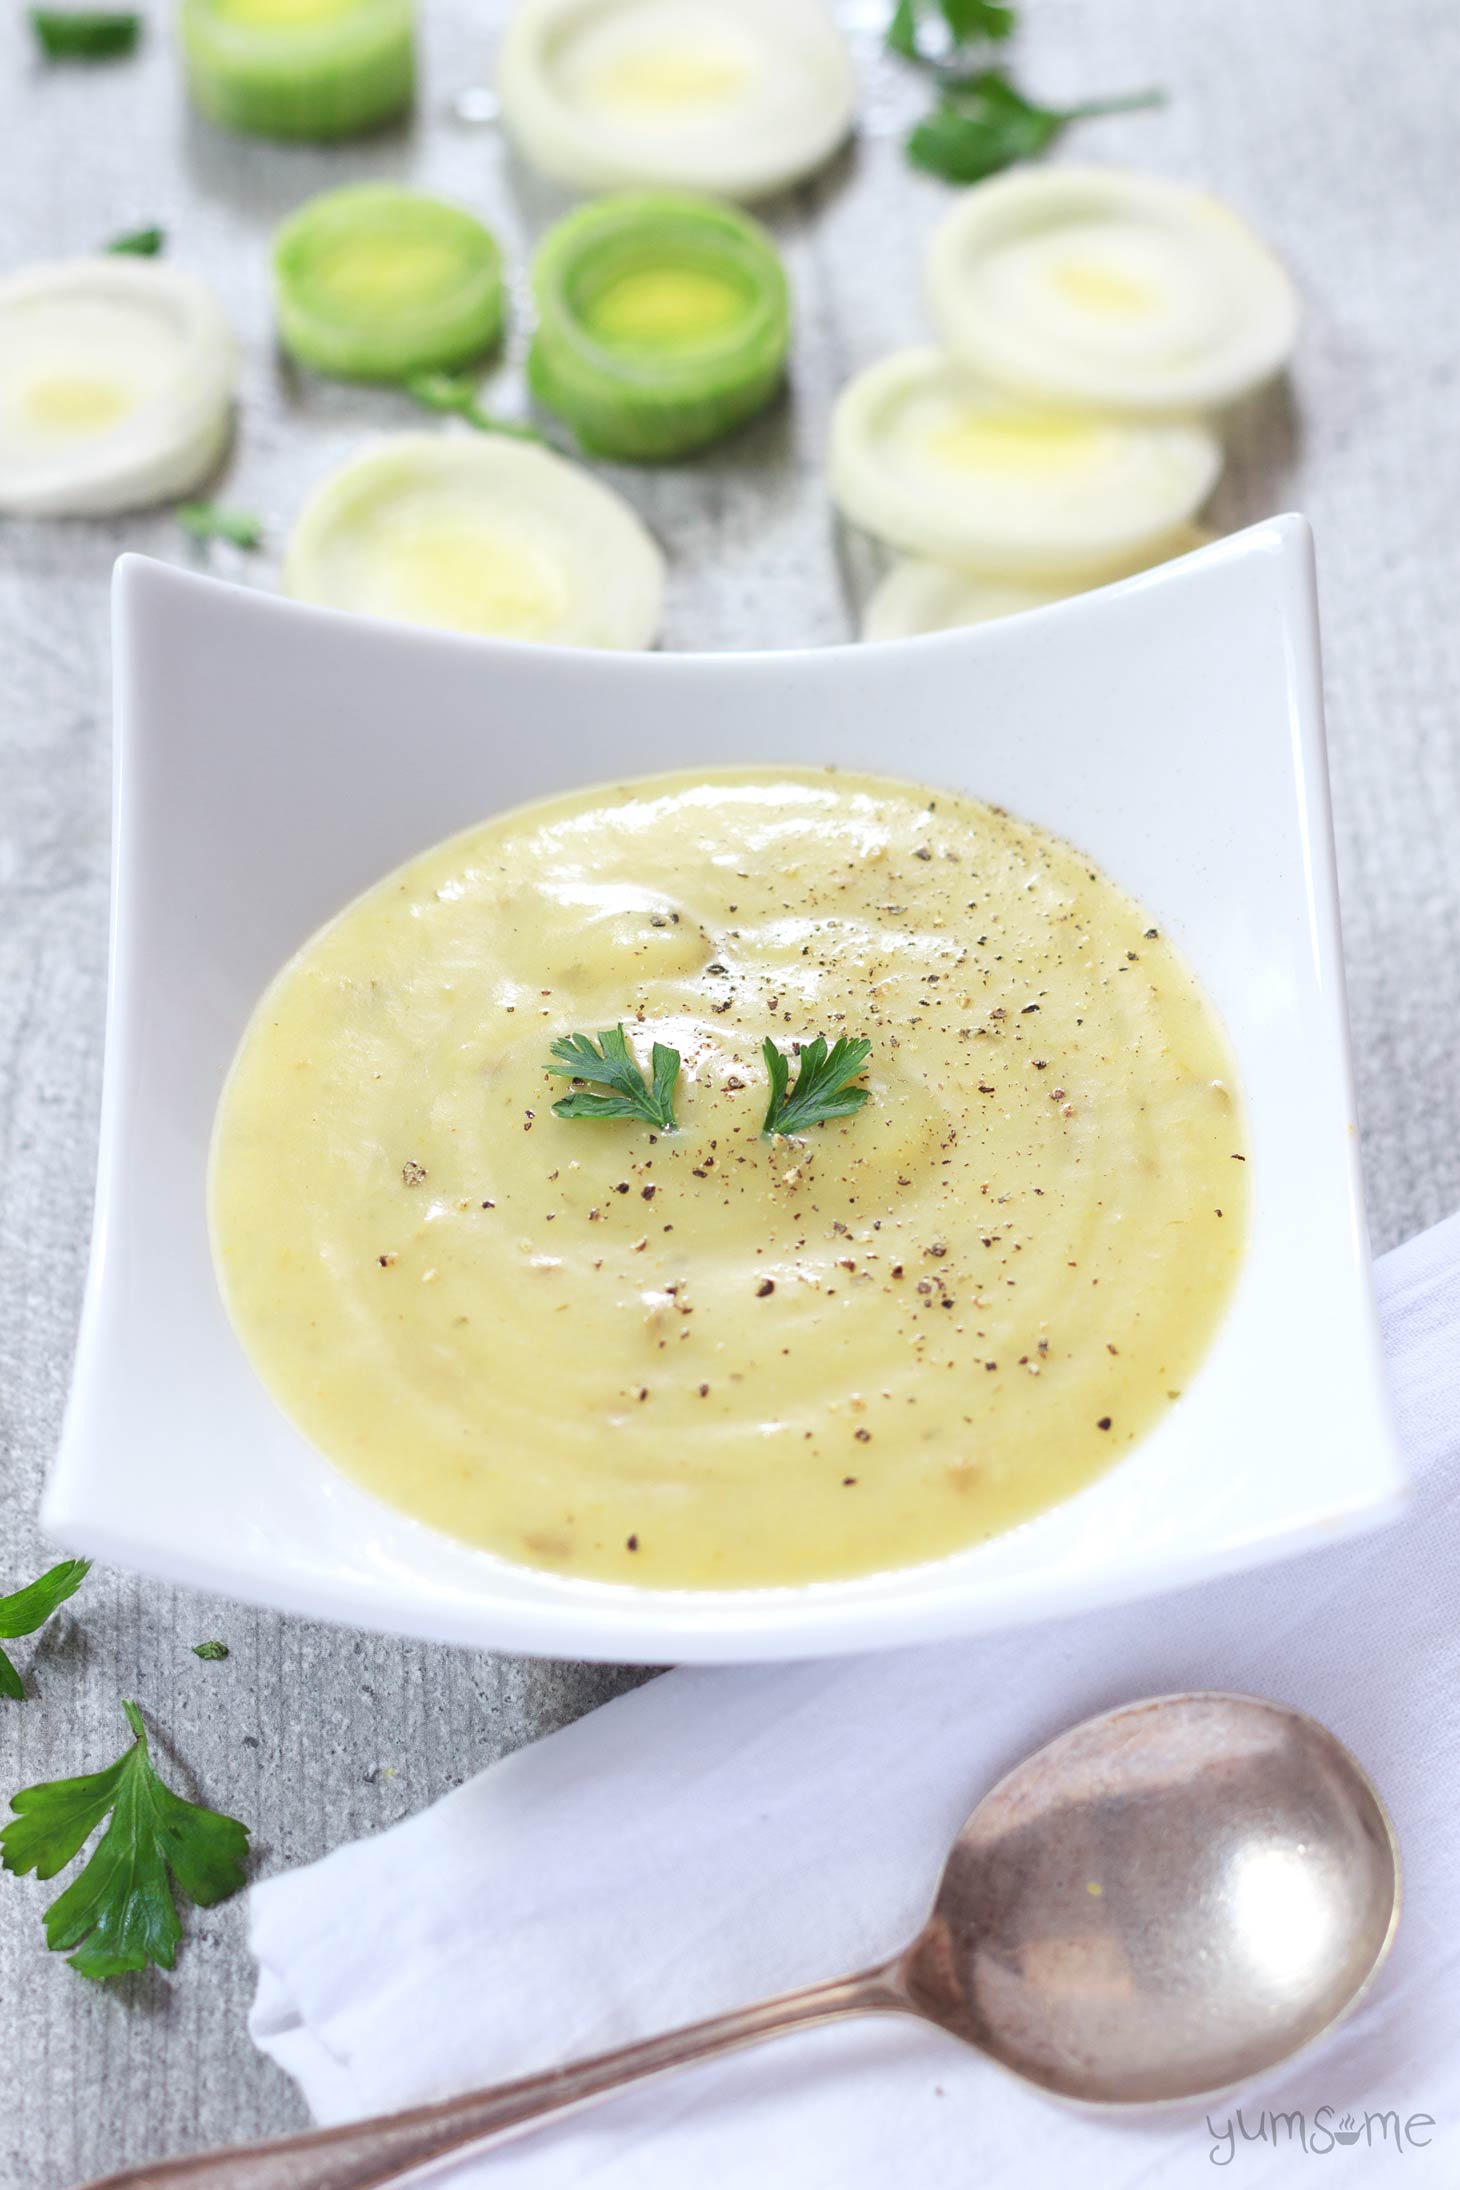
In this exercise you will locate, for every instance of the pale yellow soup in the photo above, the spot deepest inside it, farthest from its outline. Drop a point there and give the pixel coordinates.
(707, 1359)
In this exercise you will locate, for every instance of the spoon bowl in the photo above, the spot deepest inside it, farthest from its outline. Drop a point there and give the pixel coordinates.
(1164, 1902)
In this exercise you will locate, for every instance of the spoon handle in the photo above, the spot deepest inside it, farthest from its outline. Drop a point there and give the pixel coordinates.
(363, 2155)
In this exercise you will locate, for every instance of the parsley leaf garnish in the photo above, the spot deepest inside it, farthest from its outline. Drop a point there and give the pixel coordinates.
(612, 1066)
(84, 34)
(902, 31)
(120, 1913)
(983, 123)
(206, 521)
(962, 22)
(822, 1087)
(456, 393)
(210, 1650)
(138, 243)
(24, 1610)
(969, 19)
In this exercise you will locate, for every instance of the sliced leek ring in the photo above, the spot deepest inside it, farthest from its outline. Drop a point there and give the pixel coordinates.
(472, 533)
(663, 323)
(917, 597)
(375, 283)
(1089, 285)
(116, 386)
(740, 98)
(300, 68)
(940, 465)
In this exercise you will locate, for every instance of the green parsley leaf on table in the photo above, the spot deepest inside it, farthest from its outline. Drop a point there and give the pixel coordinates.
(822, 1088)
(970, 19)
(210, 1650)
(206, 521)
(611, 1065)
(84, 34)
(902, 31)
(24, 1610)
(120, 1913)
(138, 243)
(456, 394)
(962, 22)
(983, 123)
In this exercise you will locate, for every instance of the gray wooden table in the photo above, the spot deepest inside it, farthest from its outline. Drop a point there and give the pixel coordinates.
(1333, 125)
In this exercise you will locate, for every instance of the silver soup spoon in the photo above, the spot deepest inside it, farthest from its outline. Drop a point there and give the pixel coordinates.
(1163, 1903)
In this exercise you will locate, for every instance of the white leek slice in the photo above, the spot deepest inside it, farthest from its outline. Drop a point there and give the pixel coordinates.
(472, 533)
(116, 386)
(739, 98)
(941, 465)
(1090, 285)
(917, 597)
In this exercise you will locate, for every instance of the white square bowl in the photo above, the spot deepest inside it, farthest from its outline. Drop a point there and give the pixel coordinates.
(273, 760)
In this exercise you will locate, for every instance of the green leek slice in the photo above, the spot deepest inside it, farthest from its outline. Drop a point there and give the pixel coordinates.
(375, 283)
(663, 323)
(300, 68)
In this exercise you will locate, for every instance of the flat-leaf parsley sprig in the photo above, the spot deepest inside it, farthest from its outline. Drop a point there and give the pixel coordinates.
(120, 1912)
(139, 243)
(982, 122)
(25, 1610)
(457, 395)
(206, 521)
(612, 1066)
(957, 22)
(823, 1086)
(84, 34)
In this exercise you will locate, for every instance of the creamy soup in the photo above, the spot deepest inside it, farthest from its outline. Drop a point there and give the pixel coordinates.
(706, 1358)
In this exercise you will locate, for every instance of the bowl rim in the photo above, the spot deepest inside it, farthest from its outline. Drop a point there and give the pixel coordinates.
(629, 1623)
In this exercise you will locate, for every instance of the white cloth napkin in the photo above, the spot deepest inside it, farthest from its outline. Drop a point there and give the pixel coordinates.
(720, 1835)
